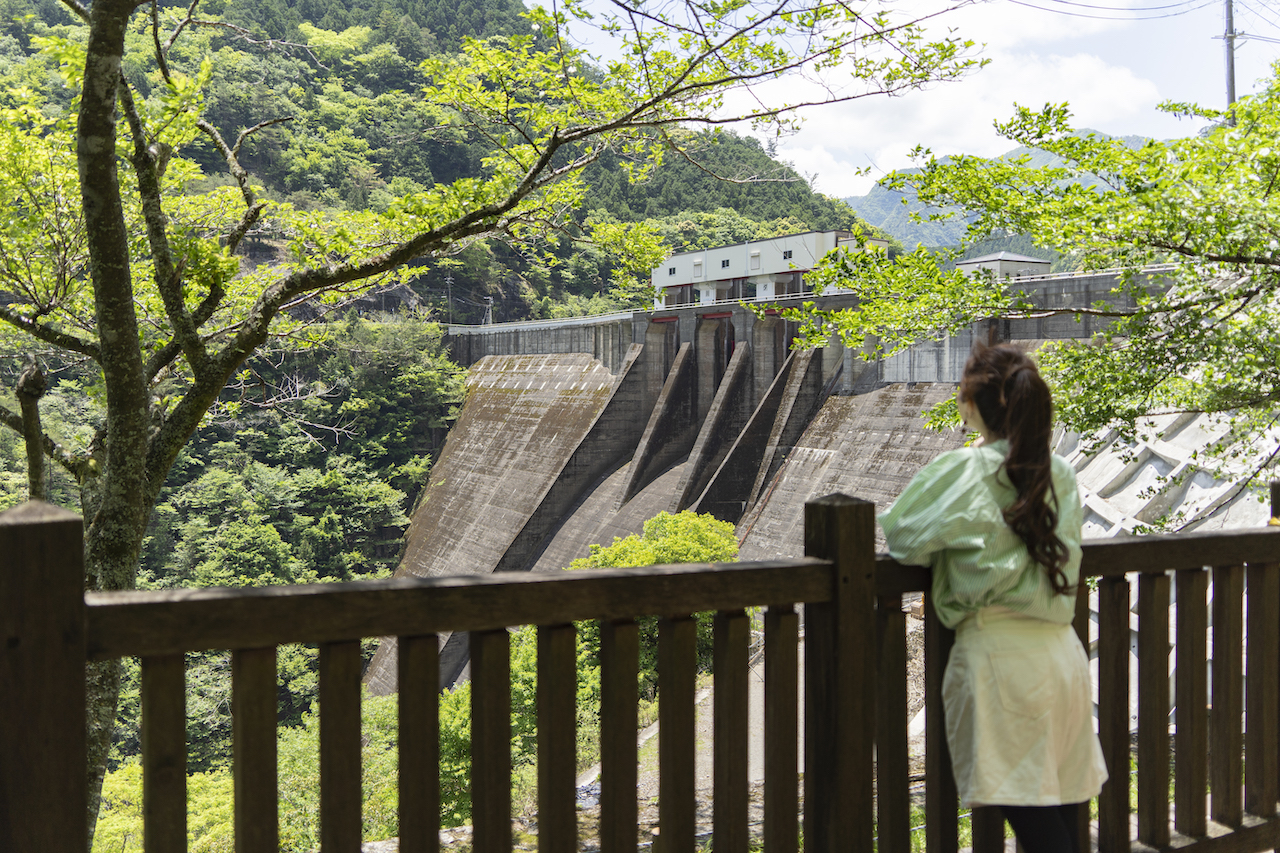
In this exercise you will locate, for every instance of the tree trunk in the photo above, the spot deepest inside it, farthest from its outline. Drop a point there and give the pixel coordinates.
(31, 387)
(113, 538)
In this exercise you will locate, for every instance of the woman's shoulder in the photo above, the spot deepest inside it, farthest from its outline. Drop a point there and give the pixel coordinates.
(1062, 470)
(953, 461)
(951, 470)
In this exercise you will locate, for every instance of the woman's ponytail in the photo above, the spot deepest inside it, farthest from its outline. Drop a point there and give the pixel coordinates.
(1015, 404)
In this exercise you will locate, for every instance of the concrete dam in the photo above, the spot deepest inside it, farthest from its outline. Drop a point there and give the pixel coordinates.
(577, 431)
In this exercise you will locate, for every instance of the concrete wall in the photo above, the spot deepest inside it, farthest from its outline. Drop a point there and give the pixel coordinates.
(730, 411)
(729, 489)
(801, 395)
(606, 337)
(535, 432)
(672, 427)
(580, 432)
(868, 446)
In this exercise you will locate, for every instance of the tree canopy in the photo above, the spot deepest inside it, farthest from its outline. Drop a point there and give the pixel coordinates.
(1200, 338)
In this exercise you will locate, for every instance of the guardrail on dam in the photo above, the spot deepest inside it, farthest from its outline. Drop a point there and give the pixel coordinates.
(576, 431)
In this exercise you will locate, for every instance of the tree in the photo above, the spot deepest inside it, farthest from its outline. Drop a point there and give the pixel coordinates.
(1208, 342)
(142, 278)
(686, 537)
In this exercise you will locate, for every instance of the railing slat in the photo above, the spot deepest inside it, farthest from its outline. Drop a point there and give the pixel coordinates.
(940, 796)
(164, 754)
(619, 662)
(491, 741)
(155, 622)
(340, 798)
(1160, 552)
(1262, 690)
(781, 729)
(1226, 805)
(418, 712)
(1191, 748)
(1081, 625)
(1153, 709)
(557, 738)
(732, 631)
(988, 829)
(677, 671)
(253, 725)
(1113, 713)
(893, 801)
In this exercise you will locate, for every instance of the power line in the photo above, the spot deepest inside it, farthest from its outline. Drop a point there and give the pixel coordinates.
(1258, 13)
(1125, 8)
(1111, 17)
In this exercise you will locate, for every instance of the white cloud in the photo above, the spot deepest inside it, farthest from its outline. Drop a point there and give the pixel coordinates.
(957, 117)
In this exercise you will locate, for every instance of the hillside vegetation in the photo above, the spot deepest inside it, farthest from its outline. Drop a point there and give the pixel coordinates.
(342, 81)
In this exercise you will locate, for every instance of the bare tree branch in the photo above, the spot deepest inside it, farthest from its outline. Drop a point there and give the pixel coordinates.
(182, 25)
(31, 387)
(231, 153)
(49, 334)
(74, 464)
(77, 8)
(167, 274)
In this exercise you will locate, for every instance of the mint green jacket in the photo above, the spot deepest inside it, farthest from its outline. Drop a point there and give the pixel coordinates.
(951, 518)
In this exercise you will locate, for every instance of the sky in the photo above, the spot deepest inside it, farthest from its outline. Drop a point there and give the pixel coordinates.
(1113, 73)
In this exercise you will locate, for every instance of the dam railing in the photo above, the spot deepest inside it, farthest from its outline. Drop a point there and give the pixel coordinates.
(857, 765)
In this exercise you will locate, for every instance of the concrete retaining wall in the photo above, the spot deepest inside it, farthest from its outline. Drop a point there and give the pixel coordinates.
(531, 432)
(869, 446)
(730, 411)
(672, 427)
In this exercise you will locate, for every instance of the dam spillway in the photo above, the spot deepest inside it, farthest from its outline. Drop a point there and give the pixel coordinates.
(577, 431)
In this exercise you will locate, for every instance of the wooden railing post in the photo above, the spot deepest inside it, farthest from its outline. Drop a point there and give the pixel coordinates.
(43, 751)
(840, 670)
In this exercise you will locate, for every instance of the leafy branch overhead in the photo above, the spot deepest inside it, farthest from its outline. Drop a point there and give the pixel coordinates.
(1200, 336)
(117, 252)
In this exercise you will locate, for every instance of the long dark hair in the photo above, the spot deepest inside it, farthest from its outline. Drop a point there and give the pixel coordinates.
(1015, 403)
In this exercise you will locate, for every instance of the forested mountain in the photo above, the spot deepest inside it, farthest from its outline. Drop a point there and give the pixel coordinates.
(732, 172)
(892, 211)
(341, 82)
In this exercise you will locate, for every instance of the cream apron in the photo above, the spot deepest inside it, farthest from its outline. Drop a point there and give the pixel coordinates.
(1019, 714)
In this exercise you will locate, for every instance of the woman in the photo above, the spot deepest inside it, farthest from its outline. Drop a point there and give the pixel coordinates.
(1000, 525)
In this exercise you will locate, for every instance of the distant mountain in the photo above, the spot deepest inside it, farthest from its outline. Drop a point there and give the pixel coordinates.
(891, 211)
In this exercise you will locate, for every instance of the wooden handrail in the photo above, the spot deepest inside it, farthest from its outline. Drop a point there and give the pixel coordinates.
(157, 622)
(1156, 553)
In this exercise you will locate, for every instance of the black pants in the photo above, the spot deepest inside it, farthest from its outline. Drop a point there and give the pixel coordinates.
(1045, 829)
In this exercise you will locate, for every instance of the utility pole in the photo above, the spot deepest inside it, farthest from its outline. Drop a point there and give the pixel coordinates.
(1229, 40)
(448, 284)
(488, 312)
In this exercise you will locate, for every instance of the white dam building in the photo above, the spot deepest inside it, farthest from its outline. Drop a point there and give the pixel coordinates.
(760, 269)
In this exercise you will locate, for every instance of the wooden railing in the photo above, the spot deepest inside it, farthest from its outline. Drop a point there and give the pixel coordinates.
(854, 675)
(1211, 752)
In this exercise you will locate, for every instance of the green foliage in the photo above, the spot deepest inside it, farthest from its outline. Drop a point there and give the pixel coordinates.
(1200, 337)
(210, 793)
(311, 462)
(721, 171)
(685, 537)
